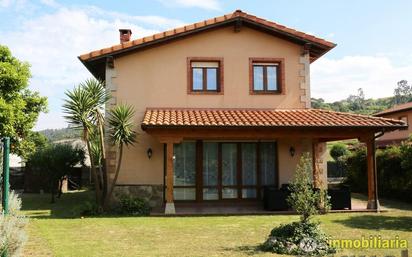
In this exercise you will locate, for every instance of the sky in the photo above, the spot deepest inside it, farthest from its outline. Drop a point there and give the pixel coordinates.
(373, 52)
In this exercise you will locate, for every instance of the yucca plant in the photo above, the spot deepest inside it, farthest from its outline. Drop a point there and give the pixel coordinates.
(122, 134)
(97, 90)
(83, 108)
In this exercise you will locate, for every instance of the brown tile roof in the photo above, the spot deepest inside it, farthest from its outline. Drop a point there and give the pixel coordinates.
(396, 108)
(172, 117)
(238, 14)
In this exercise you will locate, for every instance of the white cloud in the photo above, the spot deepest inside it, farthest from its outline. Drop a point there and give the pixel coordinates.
(52, 42)
(50, 3)
(18, 4)
(336, 79)
(203, 4)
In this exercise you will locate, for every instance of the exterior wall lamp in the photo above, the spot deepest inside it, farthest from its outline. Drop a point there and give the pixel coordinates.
(292, 151)
(149, 153)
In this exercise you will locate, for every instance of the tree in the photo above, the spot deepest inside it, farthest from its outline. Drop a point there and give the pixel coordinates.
(403, 92)
(81, 107)
(338, 150)
(19, 107)
(121, 133)
(54, 162)
(357, 102)
(34, 141)
(319, 103)
(303, 199)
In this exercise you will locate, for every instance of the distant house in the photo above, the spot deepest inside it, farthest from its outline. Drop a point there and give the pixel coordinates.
(399, 112)
(223, 110)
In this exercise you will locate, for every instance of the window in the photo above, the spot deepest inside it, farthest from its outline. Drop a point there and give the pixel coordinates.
(205, 75)
(266, 76)
(404, 119)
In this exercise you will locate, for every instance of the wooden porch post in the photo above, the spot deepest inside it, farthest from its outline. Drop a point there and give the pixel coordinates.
(170, 206)
(373, 202)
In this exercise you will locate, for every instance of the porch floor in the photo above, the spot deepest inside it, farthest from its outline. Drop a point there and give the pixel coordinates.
(241, 208)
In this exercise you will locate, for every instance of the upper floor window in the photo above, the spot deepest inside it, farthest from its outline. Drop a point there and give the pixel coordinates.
(266, 76)
(205, 75)
(404, 119)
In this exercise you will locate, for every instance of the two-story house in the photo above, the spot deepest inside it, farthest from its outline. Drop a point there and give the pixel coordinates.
(223, 109)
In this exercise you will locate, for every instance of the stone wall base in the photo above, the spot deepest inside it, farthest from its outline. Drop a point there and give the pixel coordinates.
(153, 194)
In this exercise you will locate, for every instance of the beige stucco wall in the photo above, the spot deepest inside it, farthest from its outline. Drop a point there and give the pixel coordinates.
(398, 134)
(157, 77)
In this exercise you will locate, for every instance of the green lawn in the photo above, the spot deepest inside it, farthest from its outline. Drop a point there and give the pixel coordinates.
(57, 230)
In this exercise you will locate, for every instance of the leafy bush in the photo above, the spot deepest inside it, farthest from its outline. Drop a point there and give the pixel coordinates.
(394, 169)
(298, 238)
(88, 209)
(338, 150)
(357, 175)
(127, 205)
(12, 229)
(133, 206)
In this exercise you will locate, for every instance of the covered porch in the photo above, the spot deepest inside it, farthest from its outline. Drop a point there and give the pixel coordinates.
(220, 160)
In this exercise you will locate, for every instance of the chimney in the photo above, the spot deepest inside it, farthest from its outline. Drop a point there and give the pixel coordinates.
(125, 35)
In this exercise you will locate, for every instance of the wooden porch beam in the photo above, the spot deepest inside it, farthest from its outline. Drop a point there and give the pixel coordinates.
(321, 135)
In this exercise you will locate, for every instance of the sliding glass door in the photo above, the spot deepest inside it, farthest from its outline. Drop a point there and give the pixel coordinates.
(229, 171)
(184, 167)
(249, 170)
(210, 171)
(223, 170)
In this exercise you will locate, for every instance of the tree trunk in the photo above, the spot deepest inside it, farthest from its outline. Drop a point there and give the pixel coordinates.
(111, 188)
(52, 191)
(60, 188)
(93, 167)
(103, 161)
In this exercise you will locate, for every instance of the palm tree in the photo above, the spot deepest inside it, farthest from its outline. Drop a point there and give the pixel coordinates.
(96, 89)
(83, 107)
(121, 133)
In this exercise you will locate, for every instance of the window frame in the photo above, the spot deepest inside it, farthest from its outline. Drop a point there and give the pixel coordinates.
(280, 75)
(219, 76)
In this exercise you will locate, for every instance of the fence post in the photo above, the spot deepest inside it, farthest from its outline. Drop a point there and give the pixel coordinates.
(5, 195)
(6, 152)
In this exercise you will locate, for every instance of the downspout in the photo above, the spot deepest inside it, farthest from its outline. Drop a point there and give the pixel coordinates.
(375, 170)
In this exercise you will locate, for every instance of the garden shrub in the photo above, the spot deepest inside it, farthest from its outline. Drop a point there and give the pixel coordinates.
(289, 239)
(356, 165)
(88, 209)
(131, 205)
(126, 205)
(13, 228)
(394, 169)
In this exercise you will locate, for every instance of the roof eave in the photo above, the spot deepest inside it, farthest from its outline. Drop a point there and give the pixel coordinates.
(378, 128)
(380, 114)
(323, 48)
